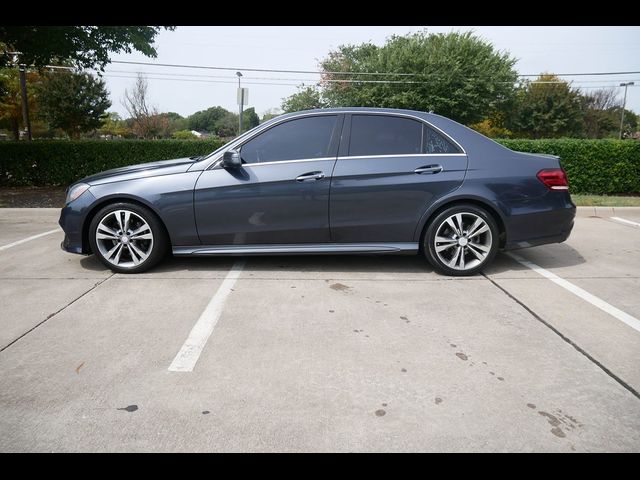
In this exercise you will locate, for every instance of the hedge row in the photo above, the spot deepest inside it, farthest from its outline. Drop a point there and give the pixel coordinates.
(593, 166)
(61, 162)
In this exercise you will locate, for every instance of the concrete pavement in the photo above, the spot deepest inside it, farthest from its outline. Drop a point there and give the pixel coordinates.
(364, 353)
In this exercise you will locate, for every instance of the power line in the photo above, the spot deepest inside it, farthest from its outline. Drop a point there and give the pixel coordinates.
(298, 80)
(315, 72)
(279, 80)
(297, 84)
(585, 74)
(202, 81)
(266, 70)
(316, 80)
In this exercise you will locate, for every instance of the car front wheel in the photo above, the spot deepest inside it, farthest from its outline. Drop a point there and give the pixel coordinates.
(127, 238)
(461, 240)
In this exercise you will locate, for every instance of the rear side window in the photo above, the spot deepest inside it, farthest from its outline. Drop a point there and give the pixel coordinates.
(435, 142)
(305, 138)
(384, 135)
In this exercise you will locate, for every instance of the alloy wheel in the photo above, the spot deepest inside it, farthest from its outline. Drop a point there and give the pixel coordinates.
(463, 241)
(124, 238)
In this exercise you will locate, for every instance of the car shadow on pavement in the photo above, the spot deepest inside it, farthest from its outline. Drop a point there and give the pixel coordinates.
(91, 262)
(547, 256)
(302, 264)
(557, 255)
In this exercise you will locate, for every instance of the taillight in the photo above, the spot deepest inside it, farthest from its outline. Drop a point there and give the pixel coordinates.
(554, 178)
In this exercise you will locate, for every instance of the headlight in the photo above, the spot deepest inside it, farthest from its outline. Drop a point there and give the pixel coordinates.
(75, 191)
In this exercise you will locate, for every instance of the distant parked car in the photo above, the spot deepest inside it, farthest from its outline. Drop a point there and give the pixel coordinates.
(331, 181)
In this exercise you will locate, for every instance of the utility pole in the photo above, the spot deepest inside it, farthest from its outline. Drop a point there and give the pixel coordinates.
(25, 102)
(624, 104)
(241, 101)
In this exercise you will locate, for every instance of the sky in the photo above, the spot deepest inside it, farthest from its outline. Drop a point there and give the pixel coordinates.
(554, 49)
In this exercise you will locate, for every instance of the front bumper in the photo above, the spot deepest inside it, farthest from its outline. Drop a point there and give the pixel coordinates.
(72, 219)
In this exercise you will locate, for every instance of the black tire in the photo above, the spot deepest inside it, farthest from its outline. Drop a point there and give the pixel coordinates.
(159, 246)
(470, 263)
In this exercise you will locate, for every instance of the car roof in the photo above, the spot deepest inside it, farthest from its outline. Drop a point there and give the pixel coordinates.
(416, 113)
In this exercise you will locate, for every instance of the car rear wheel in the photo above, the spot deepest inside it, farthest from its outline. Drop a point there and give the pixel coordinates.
(461, 240)
(127, 238)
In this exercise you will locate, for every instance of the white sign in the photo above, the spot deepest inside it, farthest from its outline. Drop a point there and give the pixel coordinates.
(243, 96)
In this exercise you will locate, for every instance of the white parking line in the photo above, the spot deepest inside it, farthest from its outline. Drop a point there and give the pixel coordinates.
(628, 222)
(583, 294)
(188, 355)
(28, 239)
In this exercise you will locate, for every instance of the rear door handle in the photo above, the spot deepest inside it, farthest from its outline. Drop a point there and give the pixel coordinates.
(432, 169)
(310, 177)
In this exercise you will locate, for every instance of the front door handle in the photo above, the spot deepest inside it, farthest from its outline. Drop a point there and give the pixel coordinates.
(310, 177)
(432, 169)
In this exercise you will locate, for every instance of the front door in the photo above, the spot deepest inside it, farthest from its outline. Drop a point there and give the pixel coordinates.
(280, 195)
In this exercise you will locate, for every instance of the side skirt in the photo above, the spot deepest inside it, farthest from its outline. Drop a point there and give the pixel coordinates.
(298, 249)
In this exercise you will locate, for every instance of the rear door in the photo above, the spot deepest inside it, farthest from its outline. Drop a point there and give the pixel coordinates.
(390, 168)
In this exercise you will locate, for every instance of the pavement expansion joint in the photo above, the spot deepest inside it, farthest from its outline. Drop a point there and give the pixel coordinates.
(622, 383)
(50, 316)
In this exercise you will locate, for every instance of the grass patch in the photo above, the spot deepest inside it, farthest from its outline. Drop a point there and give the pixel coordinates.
(605, 201)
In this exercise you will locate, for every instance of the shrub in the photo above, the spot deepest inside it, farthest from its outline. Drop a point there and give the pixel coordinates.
(60, 162)
(183, 135)
(593, 166)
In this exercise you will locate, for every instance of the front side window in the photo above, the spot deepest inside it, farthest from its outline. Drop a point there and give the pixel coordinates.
(300, 139)
(384, 135)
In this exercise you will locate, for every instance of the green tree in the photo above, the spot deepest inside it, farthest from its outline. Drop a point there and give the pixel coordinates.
(250, 119)
(115, 126)
(220, 121)
(458, 75)
(176, 122)
(11, 99)
(227, 125)
(306, 98)
(73, 102)
(546, 108)
(85, 46)
(205, 120)
(269, 114)
(599, 107)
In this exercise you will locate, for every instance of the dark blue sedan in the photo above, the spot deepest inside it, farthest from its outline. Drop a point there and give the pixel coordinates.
(331, 181)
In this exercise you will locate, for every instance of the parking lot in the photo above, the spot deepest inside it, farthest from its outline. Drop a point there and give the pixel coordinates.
(351, 353)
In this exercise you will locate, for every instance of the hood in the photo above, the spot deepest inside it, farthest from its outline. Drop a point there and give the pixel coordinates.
(151, 169)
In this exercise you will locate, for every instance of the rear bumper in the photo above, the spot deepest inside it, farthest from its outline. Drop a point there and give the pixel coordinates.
(540, 228)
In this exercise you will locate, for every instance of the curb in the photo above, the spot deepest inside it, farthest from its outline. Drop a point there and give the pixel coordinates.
(605, 211)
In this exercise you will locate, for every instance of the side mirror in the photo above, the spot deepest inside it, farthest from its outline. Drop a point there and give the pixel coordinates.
(231, 159)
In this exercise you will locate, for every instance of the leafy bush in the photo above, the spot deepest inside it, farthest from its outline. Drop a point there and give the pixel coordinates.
(183, 135)
(593, 166)
(59, 162)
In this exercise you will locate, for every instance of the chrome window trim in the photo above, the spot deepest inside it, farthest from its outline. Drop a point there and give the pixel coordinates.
(357, 157)
(301, 160)
(242, 140)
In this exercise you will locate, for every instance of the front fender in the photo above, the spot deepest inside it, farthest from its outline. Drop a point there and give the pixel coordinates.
(169, 196)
